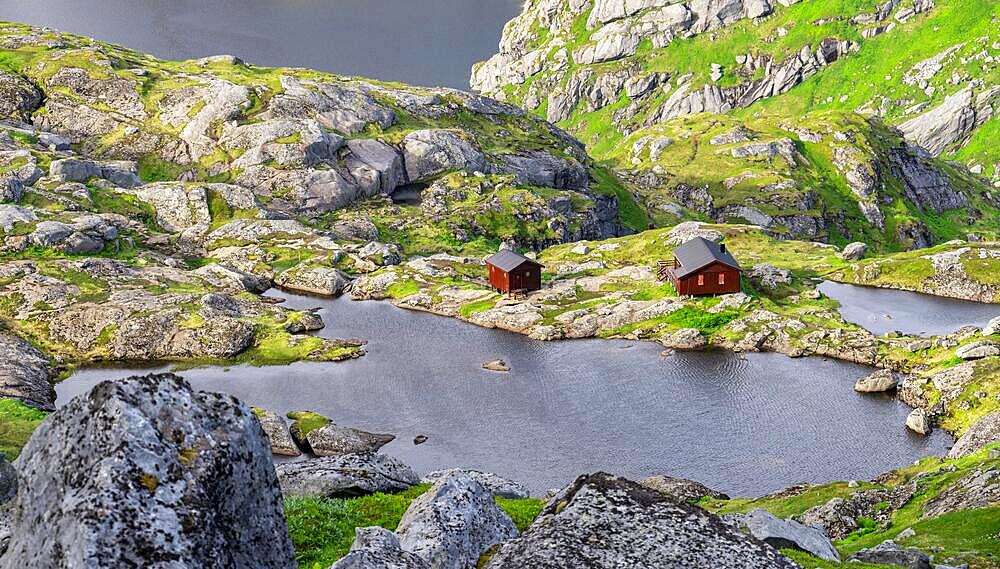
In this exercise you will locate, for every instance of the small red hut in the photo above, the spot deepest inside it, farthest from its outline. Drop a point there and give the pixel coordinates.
(703, 267)
(512, 272)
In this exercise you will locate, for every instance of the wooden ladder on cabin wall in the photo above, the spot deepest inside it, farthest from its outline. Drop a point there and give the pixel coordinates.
(663, 269)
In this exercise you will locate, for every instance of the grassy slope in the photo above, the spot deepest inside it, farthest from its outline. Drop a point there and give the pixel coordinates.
(967, 536)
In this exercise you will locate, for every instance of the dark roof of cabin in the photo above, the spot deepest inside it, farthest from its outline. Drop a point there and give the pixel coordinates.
(507, 260)
(698, 253)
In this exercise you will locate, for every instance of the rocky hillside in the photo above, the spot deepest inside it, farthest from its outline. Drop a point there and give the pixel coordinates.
(824, 120)
(303, 143)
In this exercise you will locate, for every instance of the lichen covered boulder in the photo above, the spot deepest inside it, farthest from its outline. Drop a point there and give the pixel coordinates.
(601, 521)
(345, 475)
(146, 470)
(454, 523)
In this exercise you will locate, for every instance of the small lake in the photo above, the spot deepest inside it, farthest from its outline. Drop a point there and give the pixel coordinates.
(883, 310)
(422, 42)
(746, 424)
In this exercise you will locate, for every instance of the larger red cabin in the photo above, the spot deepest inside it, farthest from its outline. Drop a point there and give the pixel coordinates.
(702, 267)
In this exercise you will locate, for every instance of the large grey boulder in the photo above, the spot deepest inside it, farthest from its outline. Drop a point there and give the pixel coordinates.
(147, 471)
(680, 489)
(918, 422)
(429, 153)
(782, 534)
(889, 553)
(74, 169)
(25, 373)
(334, 440)
(877, 382)
(984, 432)
(854, 251)
(326, 281)
(539, 168)
(276, 430)
(378, 548)
(18, 97)
(451, 525)
(496, 484)
(604, 522)
(345, 475)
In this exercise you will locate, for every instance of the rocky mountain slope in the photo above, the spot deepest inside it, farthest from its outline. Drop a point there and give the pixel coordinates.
(826, 120)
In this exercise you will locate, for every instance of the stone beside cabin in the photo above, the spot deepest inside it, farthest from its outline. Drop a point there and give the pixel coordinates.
(512, 272)
(702, 267)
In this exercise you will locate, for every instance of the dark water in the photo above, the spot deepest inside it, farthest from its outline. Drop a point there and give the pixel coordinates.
(423, 42)
(881, 310)
(747, 425)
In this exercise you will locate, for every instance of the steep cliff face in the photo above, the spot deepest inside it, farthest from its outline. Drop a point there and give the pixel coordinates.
(617, 73)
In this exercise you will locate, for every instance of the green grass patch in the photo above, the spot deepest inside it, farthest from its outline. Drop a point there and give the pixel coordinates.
(17, 422)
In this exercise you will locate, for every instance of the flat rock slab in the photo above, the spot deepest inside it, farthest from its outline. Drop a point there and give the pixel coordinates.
(494, 483)
(788, 533)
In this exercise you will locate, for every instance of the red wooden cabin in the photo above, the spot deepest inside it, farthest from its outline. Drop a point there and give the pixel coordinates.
(511, 272)
(703, 267)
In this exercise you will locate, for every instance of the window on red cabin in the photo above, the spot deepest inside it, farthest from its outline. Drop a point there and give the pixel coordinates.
(701, 280)
(722, 278)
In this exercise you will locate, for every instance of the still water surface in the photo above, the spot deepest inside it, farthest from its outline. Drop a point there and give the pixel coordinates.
(422, 42)
(745, 424)
(882, 310)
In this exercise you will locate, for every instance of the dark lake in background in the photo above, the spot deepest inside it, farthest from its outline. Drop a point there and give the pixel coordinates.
(746, 424)
(423, 42)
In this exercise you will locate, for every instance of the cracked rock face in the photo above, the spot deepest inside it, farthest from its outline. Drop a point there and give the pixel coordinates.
(983, 432)
(599, 520)
(18, 97)
(148, 469)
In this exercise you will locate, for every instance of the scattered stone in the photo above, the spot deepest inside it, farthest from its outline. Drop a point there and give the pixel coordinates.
(496, 365)
(681, 489)
(918, 422)
(854, 251)
(345, 476)
(611, 516)
(419, 439)
(123, 472)
(454, 523)
(496, 484)
(583, 249)
(314, 280)
(19, 98)
(878, 382)
(889, 553)
(781, 533)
